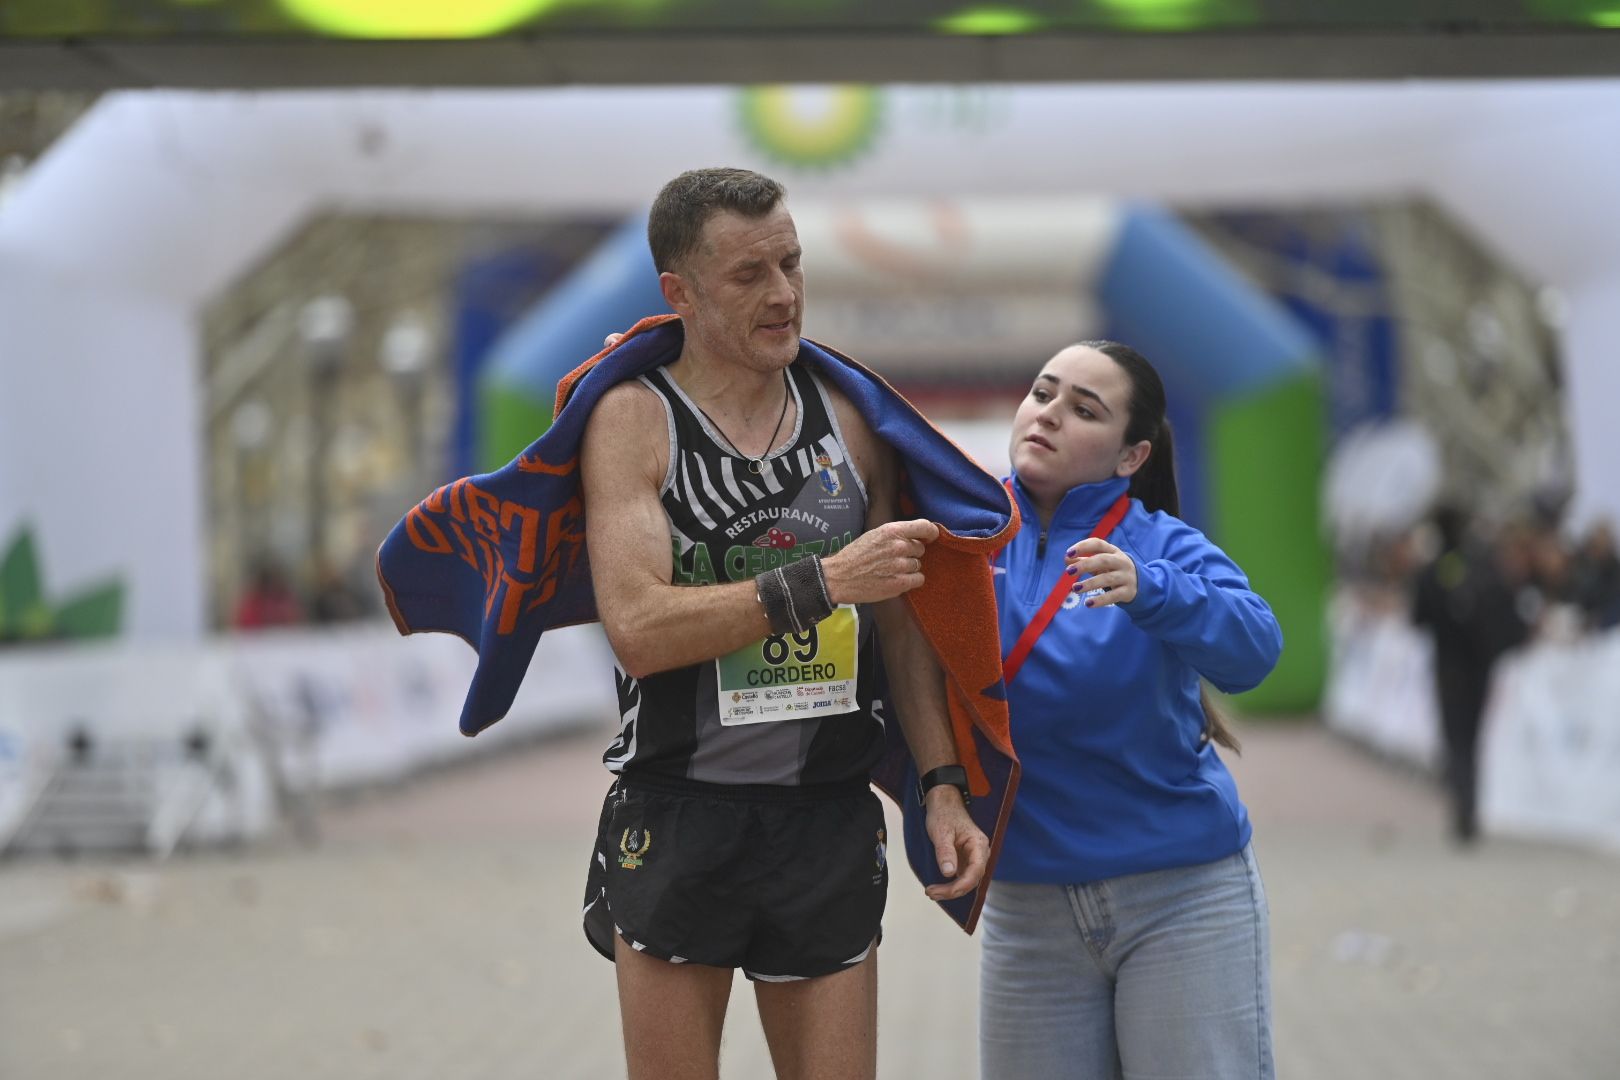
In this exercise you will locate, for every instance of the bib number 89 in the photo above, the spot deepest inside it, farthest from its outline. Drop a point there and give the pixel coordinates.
(802, 647)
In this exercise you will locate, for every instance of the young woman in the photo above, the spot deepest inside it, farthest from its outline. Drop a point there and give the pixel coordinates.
(1126, 932)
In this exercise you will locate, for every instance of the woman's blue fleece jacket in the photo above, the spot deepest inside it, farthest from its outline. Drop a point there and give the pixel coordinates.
(1105, 711)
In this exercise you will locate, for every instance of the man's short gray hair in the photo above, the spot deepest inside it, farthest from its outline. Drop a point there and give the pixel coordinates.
(687, 203)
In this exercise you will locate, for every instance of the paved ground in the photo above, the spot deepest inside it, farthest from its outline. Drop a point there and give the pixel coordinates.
(434, 934)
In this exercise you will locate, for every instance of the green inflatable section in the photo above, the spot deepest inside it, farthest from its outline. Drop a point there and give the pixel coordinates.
(510, 419)
(1265, 475)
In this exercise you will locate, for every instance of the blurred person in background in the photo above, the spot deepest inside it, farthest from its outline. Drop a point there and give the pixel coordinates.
(1595, 578)
(269, 599)
(1126, 931)
(1468, 598)
(1552, 564)
(727, 843)
(335, 600)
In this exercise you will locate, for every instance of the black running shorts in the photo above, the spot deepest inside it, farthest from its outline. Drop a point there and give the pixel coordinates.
(783, 882)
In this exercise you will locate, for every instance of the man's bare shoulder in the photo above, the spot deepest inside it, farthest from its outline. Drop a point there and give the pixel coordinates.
(851, 421)
(628, 426)
(631, 400)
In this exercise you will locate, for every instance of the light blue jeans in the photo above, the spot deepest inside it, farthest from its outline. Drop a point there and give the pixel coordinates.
(1164, 975)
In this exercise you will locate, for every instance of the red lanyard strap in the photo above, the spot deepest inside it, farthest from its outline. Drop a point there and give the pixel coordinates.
(1059, 593)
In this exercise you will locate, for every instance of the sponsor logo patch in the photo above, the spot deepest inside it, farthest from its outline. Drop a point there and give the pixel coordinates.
(776, 538)
(633, 847)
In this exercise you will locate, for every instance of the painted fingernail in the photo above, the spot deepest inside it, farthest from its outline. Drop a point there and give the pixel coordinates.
(1071, 570)
(1091, 603)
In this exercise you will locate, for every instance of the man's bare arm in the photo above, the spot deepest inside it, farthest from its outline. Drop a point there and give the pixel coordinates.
(916, 680)
(652, 624)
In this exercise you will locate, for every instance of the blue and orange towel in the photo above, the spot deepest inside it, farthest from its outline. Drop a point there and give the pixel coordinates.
(499, 558)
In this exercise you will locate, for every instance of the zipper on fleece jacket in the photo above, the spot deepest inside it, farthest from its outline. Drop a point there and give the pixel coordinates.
(1038, 585)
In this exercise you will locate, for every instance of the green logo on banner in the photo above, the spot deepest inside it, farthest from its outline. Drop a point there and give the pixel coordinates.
(26, 614)
(812, 127)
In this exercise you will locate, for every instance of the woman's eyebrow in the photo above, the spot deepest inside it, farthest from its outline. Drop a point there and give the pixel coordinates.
(1082, 391)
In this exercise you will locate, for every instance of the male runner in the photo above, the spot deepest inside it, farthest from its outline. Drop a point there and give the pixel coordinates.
(747, 564)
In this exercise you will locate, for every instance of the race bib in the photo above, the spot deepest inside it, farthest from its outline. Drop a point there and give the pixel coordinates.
(791, 676)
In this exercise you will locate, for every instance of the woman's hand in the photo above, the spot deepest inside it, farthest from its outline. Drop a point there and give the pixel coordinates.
(1106, 567)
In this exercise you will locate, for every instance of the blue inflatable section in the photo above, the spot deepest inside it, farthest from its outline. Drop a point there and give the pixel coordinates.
(1211, 334)
(491, 292)
(1205, 328)
(1352, 319)
(614, 288)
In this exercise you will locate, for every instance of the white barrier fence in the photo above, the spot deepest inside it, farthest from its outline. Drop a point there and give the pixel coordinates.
(1550, 748)
(244, 721)
(237, 725)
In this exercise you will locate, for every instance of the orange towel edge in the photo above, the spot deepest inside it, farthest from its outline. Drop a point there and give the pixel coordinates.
(1014, 775)
(968, 752)
(565, 385)
(394, 613)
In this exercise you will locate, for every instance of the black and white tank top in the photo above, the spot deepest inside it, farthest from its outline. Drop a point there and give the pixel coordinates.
(790, 709)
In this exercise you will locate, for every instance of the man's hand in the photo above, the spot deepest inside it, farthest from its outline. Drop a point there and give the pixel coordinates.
(960, 847)
(880, 564)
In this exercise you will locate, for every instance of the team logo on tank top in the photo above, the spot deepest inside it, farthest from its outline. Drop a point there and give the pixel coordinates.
(830, 483)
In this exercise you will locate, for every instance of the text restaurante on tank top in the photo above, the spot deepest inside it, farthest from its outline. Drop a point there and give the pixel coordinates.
(774, 513)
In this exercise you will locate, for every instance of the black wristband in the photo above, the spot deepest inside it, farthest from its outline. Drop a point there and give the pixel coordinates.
(794, 596)
(808, 602)
(771, 589)
(954, 775)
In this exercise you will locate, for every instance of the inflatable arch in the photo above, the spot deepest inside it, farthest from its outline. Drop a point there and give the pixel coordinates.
(150, 206)
(1244, 386)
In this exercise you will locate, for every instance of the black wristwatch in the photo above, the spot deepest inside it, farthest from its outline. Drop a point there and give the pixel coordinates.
(954, 775)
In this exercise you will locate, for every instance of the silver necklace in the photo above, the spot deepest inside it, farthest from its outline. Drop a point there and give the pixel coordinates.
(756, 465)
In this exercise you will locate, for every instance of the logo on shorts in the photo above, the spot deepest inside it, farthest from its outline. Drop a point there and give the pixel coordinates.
(633, 847)
(882, 853)
(830, 483)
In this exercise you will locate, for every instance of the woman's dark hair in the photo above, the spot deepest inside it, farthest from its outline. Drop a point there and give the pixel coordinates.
(1155, 482)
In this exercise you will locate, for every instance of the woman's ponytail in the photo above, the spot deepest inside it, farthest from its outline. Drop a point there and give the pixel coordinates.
(1154, 484)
